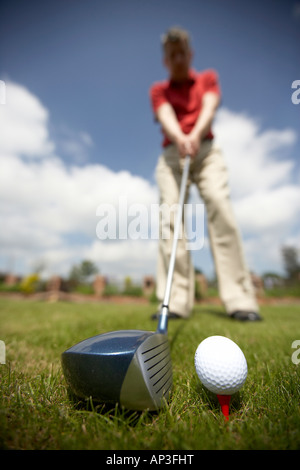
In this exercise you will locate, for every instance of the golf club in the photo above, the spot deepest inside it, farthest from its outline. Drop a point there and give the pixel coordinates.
(129, 367)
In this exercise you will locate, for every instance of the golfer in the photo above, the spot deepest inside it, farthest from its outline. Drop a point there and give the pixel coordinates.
(185, 106)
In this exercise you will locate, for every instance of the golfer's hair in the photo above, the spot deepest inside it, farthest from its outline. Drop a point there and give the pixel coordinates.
(175, 34)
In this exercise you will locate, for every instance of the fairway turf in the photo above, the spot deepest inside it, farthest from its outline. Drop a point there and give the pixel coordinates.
(37, 413)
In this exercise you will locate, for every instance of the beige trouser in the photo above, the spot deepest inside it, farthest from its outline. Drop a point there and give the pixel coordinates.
(209, 173)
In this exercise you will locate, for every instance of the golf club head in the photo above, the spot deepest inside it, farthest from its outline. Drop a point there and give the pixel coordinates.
(131, 367)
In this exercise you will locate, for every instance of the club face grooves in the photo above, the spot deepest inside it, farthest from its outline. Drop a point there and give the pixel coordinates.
(158, 367)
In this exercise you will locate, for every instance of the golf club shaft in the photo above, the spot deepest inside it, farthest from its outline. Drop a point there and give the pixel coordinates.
(163, 318)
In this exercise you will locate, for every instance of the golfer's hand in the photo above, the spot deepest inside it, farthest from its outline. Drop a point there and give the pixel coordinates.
(187, 144)
(194, 143)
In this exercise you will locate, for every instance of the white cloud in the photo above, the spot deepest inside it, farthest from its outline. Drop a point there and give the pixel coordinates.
(48, 208)
(252, 154)
(139, 257)
(23, 124)
(73, 145)
(275, 209)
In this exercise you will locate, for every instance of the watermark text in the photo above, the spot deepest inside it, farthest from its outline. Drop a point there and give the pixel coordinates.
(2, 352)
(139, 221)
(296, 94)
(296, 354)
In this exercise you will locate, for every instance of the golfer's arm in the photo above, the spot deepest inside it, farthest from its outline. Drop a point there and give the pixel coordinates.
(210, 105)
(168, 120)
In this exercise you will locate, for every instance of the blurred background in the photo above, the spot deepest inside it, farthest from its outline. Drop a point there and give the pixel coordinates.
(77, 129)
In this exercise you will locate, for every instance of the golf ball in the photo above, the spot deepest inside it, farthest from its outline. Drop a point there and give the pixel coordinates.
(220, 365)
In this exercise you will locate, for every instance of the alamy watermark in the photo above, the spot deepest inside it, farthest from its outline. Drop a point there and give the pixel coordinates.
(2, 92)
(2, 352)
(139, 221)
(296, 94)
(296, 354)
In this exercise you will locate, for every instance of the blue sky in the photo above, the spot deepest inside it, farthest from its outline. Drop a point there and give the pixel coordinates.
(87, 67)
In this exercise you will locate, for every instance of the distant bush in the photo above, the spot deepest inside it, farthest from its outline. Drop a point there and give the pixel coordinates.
(10, 288)
(111, 289)
(30, 284)
(132, 289)
(135, 291)
(292, 290)
(85, 289)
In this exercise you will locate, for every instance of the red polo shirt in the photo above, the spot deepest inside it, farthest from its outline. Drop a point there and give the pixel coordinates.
(185, 98)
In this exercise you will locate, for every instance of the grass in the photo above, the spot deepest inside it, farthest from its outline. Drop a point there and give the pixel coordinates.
(36, 412)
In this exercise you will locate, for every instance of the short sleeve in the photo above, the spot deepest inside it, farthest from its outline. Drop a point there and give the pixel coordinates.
(211, 82)
(157, 96)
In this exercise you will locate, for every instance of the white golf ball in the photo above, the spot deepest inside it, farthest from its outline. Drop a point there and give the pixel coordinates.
(221, 365)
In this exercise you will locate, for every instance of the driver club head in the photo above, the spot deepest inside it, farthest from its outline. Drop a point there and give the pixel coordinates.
(131, 367)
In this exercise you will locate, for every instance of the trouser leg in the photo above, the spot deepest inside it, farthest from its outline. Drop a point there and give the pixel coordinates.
(234, 281)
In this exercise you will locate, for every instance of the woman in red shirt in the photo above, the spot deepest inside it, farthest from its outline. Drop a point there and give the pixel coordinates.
(185, 106)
